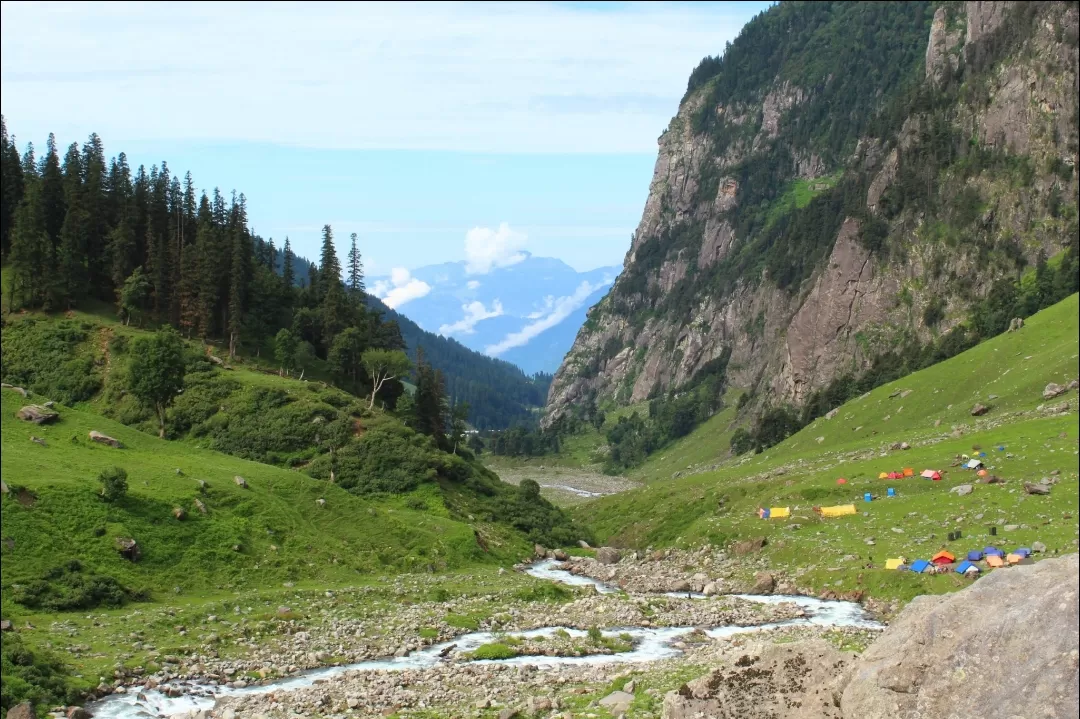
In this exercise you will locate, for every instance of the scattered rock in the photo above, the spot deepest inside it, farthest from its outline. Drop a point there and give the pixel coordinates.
(1038, 547)
(179, 513)
(240, 482)
(1053, 390)
(583, 544)
(78, 713)
(748, 546)
(37, 414)
(4, 489)
(962, 489)
(200, 506)
(560, 555)
(38, 440)
(831, 413)
(539, 551)
(1015, 324)
(508, 713)
(617, 702)
(1036, 488)
(100, 438)
(607, 555)
(5, 625)
(13, 388)
(979, 410)
(764, 583)
(321, 502)
(284, 611)
(1011, 527)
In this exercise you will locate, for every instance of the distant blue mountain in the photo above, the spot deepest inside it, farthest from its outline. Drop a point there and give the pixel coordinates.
(528, 313)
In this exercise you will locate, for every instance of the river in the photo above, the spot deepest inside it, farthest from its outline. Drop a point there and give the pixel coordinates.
(650, 644)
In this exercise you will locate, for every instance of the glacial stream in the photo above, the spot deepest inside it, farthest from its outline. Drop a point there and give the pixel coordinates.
(651, 644)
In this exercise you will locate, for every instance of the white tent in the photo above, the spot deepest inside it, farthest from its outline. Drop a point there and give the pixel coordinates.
(974, 464)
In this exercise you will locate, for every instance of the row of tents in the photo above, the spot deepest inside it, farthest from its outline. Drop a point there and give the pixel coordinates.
(944, 561)
(909, 472)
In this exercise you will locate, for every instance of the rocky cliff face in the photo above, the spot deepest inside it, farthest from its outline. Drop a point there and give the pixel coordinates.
(808, 253)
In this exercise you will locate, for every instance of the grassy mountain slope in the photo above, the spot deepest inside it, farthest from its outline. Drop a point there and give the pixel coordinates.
(1007, 373)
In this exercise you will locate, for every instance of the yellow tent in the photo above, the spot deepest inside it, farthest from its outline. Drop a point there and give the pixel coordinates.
(894, 563)
(838, 511)
(777, 512)
(883, 475)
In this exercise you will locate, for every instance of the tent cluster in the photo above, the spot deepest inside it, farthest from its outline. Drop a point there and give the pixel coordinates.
(774, 512)
(945, 561)
(905, 472)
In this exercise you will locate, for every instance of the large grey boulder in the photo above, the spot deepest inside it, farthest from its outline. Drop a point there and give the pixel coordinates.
(100, 438)
(801, 680)
(608, 555)
(1006, 646)
(22, 711)
(37, 414)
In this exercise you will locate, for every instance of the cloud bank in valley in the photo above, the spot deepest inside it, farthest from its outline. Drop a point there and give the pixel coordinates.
(402, 287)
(561, 308)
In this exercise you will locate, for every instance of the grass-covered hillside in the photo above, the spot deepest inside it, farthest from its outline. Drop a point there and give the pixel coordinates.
(1024, 437)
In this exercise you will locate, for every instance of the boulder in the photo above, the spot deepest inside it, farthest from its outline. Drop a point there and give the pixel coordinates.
(764, 583)
(105, 439)
(22, 711)
(1005, 646)
(240, 482)
(617, 702)
(508, 713)
(5, 625)
(608, 555)
(179, 513)
(748, 546)
(962, 489)
(680, 585)
(200, 506)
(765, 680)
(4, 489)
(37, 414)
(13, 388)
(583, 544)
(78, 713)
(128, 548)
(1036, 488)
(831, 413)
(979, 410)
(539, 551)
(1038, 547)
(321, 502)
(561, 555)
(1015, 324)
(1053, 390)
(38, 440)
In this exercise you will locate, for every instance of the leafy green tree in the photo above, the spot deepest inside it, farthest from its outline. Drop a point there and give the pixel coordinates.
(475, 444)
(134, 295)
(383, 366)
(157, 371)
(114, 484)
(459, 416)
(345, 355)
(285, 345)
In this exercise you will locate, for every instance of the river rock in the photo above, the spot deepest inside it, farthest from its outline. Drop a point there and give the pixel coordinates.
(617, 702)
(78, 713)
(37, 414)
(607, 555)
(100, 438)
(764, 583)
(539, 551)
(766, 680)
(958, 655)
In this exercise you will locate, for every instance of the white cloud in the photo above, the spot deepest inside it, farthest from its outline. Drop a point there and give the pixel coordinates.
(549, 303)
(486, 249)
(472, 284)
(402, 287)
(475, 312)
(560, 310)
(498, 77)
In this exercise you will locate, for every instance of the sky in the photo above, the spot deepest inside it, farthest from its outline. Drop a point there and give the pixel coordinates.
(436, 131)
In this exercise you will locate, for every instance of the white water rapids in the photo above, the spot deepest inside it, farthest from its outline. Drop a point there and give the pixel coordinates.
(650, 644)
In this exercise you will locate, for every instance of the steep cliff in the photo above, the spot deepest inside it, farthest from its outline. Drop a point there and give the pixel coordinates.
(846, 178)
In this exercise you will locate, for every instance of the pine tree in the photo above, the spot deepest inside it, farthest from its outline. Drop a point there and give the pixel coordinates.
(70, 273)
(356, 271)
(30, 249)
(329, 266)
(52, 193)
(96, 205)
(122, 254)
(239, 272)
(11, 186)
(287, 276)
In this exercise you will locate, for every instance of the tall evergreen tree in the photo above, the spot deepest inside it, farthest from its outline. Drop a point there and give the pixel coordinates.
(329, 265)
(356, 271)
(97, 227)
(30, 249)
(52, 192)
(287, 276)
(11, 186)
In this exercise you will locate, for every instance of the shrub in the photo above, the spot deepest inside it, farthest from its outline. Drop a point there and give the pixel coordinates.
(31, 676)
(494, 650)
(741, 441)
(68, 587)
(113, 484)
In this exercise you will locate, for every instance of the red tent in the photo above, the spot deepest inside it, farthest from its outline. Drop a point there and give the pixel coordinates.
(943, 557)
(896, 475)
(841, 481)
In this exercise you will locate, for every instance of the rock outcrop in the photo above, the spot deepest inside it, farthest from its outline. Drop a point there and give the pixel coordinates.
(697, 283)
(37, 414)
(105, 439)
(1007, 646)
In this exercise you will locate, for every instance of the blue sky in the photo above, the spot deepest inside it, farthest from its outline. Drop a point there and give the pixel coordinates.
(410, 124)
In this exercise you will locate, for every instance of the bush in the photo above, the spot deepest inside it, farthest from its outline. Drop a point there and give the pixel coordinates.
(741, 441)
(68, 587)
(494, 650)
(113, 484)
(31, 676)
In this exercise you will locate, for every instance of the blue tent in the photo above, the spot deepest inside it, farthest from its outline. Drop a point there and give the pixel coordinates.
(965, 566)
(974, 555)
(993, 550)
(1023, 552)
(920, 565)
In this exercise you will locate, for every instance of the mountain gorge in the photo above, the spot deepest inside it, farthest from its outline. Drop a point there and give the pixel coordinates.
(846, 180)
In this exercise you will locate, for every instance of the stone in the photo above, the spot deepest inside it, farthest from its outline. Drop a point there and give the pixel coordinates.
(1036, 488)
(968, 638)
(37, 414)
(762, 679)
(105, 439)
(4, 489)
(200, 506)
(710, 589)
(764, 583)
(1053, 390)
(560, 555)
(831, 413)
(78, 713)
(979, 410)
(22, 711)
(5, 625)
(961, 490)
(240, 482)
(617, 702)
(38, 440)
(748, 546)
(1038, 547)
(508, 713)
(539, 551)
(128, 548)
(608, 555)
(320, 502)
(537, 705)
(179, 513)
(680, 585)
(583, 544)
(1015, 324)
(13, 388)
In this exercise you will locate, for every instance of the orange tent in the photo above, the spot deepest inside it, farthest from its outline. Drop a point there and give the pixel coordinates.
(841, 481)
(1013, 558)
(943, 557)
(909, 472)
(981, 472)
(994, 560)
